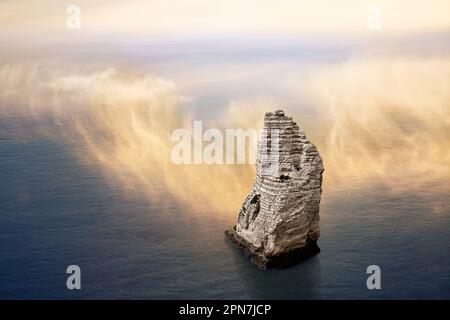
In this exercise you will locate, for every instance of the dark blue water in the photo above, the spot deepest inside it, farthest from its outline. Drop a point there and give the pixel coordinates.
(55, 211)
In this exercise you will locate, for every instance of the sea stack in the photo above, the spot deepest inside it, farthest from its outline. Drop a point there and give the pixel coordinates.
(278, 223)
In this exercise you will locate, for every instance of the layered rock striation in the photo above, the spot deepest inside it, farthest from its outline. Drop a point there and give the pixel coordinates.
(278, 223)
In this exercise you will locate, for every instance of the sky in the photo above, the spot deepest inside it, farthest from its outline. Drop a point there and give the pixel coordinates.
(47, 19)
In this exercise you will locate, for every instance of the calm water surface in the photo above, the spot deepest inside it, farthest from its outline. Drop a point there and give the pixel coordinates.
(57, 210)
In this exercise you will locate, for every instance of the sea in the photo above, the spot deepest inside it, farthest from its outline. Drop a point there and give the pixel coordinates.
(102, 194)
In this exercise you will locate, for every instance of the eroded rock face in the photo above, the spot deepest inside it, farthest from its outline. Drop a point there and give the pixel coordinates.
(278, 223)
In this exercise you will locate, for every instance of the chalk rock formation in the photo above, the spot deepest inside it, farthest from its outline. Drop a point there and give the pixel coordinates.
(278, 223)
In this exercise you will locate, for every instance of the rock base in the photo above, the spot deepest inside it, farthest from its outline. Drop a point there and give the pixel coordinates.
(280, 261)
